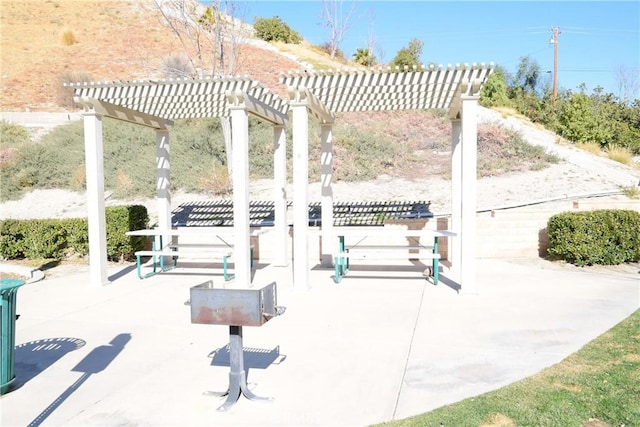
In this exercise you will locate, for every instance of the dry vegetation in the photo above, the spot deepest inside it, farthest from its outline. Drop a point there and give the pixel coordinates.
(47, 42)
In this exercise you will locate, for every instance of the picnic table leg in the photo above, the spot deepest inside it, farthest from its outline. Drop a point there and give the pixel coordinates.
(337, 274)
(153, 259)
(225, 266)
(436, 263)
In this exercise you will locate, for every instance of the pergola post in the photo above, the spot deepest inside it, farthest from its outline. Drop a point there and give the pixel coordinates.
(456, 194)
(93, 151)
(163, 181)
(241, 220)
(326, 177)
(281, 258)
(469, 197)
(300, 129)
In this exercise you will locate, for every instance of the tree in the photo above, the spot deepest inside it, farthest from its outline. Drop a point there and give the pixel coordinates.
(372, 42)
(409, 56)
(585, 119)
(275, 29)
(364, 57)
(337, 21)
(494, 92)
(527, 75)
(209, 37)
(628, 84)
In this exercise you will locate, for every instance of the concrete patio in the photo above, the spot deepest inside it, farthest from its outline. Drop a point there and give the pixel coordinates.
(380, 345)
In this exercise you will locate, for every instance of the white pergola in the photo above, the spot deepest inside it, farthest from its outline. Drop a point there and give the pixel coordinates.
(323, 94)
(156, 104)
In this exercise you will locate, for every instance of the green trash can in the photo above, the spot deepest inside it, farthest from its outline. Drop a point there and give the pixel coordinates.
(8, 294)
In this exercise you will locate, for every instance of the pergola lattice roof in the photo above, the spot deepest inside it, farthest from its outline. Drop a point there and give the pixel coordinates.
(330, 92)
(179, 99)
(383, 90)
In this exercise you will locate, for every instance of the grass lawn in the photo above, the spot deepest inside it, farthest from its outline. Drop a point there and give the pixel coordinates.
(597, 386)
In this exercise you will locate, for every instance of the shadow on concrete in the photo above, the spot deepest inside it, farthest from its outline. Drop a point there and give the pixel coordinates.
(450, 283)
(93, 363)
(128, 269)
(257, 358)
(34, 357)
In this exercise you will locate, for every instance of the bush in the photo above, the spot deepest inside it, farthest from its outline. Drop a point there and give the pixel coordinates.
(605, 237)
(12, 237)
(33, 239)
(77, 236)
(55, 239)
(121, 219)
(177, 66)
(64, 94)
(275, 30)
(68, 37)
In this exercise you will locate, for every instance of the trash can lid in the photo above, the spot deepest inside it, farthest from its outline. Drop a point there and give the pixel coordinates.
(8, 284)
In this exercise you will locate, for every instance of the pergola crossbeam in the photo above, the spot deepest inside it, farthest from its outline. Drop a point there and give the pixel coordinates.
(124, 114)
(257, 108)
(315, 106)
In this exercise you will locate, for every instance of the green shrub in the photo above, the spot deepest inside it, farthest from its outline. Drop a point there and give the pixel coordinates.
(275, 30)
(55, 239)
(12, 237)
(121, 219)
(12, 135)
(606, 237)
(77, 236)
(33, 239)
(46, 239)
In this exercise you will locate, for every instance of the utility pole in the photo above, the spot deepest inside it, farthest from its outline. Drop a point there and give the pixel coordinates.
(554, 42)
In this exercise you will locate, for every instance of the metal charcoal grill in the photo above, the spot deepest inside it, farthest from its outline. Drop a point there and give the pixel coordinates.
(235, 308)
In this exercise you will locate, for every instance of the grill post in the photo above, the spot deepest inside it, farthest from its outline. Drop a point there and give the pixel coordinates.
(237, 374)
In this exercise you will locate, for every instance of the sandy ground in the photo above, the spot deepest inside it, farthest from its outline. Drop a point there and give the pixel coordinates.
(579, 174)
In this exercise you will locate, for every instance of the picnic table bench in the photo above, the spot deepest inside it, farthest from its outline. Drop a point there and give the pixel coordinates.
(379, 244)
(213, 243)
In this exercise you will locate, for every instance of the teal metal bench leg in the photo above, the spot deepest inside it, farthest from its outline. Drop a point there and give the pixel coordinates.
(225, 271)
(341, 266)
(338, 270)
(436, 263)
(139, 268)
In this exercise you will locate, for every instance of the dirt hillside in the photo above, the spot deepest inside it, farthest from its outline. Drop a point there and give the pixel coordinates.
(126, 40)
(45, 41)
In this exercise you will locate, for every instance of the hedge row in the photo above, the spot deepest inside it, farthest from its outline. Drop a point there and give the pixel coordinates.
(61, 238)
(606, 237)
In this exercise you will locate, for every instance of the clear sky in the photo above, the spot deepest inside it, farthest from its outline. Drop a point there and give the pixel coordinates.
(596, 40)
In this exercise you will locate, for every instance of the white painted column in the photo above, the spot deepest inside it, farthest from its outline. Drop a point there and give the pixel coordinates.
(469, 198)
(326, 177)
(163, 182)
(280, 227)
(94, 165)
(300, 127)
(241, 223)
(456, 196)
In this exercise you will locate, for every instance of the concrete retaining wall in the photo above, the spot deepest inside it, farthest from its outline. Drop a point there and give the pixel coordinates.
(510, 233)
